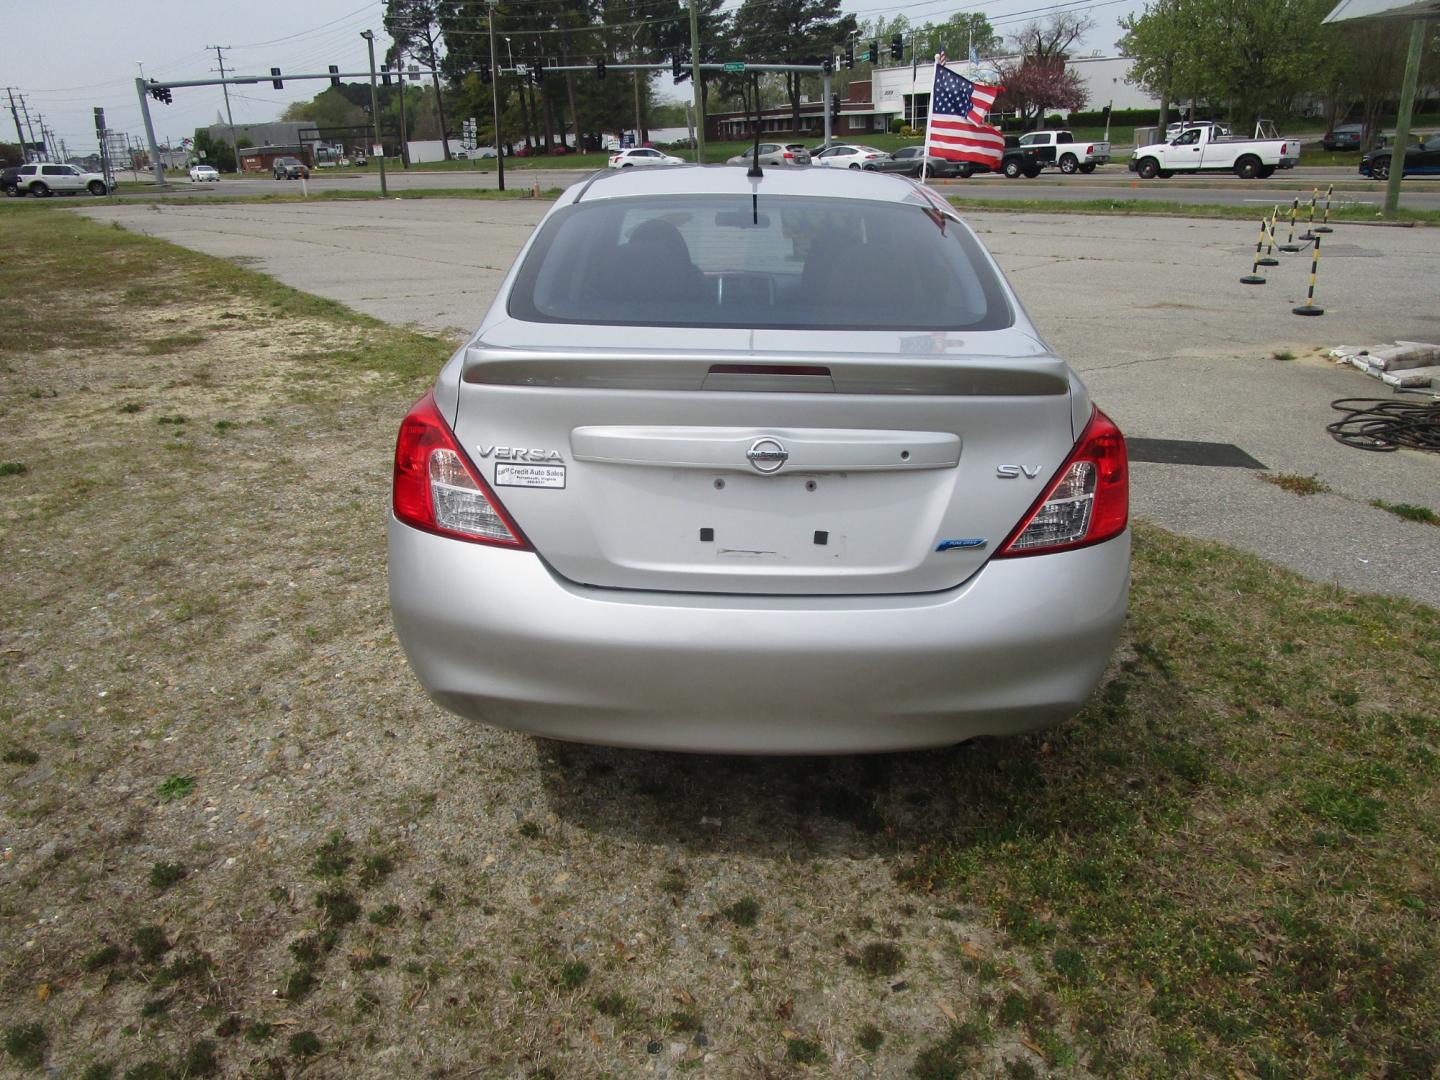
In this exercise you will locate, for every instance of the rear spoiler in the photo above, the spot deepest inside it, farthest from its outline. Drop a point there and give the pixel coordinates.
(807, 373)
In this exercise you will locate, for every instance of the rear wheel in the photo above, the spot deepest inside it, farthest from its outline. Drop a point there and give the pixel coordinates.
(1267, 171)
(1248, 167)
(1165, 174)
(1088, 167)
(11, 191)
(1380, 168)
(1012, 168)
(1032, 171)
(1068, 164)
(39, 190)
(966, 171)
(1149, 169)
(96, 188)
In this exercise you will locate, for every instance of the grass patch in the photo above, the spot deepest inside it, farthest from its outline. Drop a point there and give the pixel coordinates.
(20, 756)
(880, 959)
(13, 468)
(165, 874)
(804, 1052)
(175, 787)
(385, 915)
(1295, 483)
(26, 1044)
(573, 974)
(1240, 822)
(1283, 355)
(870, 1038)
(151, 943)
(744, 912)
(304, 1044)
(1408, 511)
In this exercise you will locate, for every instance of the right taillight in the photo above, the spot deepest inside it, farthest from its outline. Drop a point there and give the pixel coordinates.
(437, 489)
(1086, 502)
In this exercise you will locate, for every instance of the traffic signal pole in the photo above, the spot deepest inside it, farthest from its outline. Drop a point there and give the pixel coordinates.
(155, 162)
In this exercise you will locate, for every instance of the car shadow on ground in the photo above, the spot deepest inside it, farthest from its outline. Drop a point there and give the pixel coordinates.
(773, 807)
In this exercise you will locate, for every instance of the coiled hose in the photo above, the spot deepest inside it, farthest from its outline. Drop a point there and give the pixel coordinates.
(1387, 424)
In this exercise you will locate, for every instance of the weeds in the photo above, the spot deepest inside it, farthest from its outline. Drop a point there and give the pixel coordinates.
(744, 912)
(1408, 511)
(1296, 484)
(26, 1044)
(165, 874)
(175, 787)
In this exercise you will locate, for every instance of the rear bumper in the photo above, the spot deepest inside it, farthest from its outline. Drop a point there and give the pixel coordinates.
(495, 636)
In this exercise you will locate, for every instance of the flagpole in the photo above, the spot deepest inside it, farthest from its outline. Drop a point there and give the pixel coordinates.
(925, 153)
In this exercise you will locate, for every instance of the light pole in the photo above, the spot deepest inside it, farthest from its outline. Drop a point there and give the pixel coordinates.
(369, 36)
(495, 102)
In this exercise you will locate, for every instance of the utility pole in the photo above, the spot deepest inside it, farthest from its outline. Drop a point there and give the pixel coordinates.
(1402, 119)
(28, 125)
(149, 133)
(19, 135)
(369, 36)
(495, 102)
(225, 88)
(404, 128)
(695, 78)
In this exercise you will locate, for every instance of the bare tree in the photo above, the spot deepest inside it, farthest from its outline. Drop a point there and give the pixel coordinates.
(1049, 40)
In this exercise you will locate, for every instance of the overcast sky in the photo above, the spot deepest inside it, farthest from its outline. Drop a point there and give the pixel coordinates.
(67, 56)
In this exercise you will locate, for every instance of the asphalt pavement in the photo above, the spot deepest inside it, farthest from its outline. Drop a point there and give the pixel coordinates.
(1150, 311)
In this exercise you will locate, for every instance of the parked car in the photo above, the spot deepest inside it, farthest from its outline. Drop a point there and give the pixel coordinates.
(641, 155)
(773, 154)
(907, 161)
(289, 168)
(611, 522)
(8, 178)
(205, 173)
(1420, 160)
(847, 156)
(42, 179)
(1344, 137)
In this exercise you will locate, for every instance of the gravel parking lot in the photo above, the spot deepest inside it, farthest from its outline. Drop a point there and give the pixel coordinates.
(1149, 310)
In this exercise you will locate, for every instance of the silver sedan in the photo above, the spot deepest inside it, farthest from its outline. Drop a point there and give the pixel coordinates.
(769, 466)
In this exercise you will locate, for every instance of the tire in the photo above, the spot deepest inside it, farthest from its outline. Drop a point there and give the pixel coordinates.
(1380, 169)
(11, 191)
(1032, 172)
(1088, 167)
(627, 165)
(1165, 174)
(1069, 165)
(40, 190)
(1267, 171)
(1248, 167)
(966, 171)
(96, 188)
(1012, 169)
(1148, 168)
(853, 165)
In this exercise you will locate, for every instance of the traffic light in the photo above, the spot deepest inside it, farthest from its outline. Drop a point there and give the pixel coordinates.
(385, 75)
(834, 106)
(850, 53)
(897, 47)
(874, 56)
(677, 68)
(828, 64)
(160, 93)
(275, 80)
(334, 75)
(1105, 111)
(600, 69)
(485, 75)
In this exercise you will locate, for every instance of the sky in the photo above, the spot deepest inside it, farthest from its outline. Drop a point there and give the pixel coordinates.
(63, 57)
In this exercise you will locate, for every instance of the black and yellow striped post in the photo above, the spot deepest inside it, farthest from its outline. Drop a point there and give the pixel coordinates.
(1269, 259)
(1325, 226)
(1254, 277)
(1309, 308)
(1309, 233)
(1290, 244)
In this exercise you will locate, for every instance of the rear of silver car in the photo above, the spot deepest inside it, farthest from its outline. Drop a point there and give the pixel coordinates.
(700, 483)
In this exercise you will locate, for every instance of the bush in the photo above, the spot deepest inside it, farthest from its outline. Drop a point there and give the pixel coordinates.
(908, 132)
(897, 125)
(1054, 120)
(1095, 118)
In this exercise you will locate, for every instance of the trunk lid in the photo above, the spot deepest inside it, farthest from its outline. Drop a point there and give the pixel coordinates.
(756, 466)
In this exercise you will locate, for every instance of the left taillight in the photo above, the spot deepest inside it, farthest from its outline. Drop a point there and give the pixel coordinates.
(1086, 502)
(436, 487)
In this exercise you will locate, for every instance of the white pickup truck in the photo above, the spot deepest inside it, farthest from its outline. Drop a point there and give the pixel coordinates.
(1200, 149)
(1060, 148)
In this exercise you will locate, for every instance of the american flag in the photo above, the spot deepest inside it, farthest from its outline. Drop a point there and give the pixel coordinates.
(957, 130)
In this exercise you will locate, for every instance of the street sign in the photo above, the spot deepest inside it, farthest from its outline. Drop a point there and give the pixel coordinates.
(732, 68)
(521, 70)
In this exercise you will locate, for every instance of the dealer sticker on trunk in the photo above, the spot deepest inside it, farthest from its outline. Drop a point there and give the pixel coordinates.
(529, 476)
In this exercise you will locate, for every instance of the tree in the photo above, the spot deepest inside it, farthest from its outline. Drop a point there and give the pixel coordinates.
(1034, 86)
(791, 32)
(216, 152)
(1047, 40)
(415, 27)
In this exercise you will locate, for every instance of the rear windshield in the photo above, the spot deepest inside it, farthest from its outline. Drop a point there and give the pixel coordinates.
(790, 263)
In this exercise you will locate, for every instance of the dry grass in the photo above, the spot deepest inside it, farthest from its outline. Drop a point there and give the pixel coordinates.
(1227, 863)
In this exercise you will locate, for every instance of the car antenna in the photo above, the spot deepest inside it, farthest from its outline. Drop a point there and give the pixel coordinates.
(755, 161)
(755, 172)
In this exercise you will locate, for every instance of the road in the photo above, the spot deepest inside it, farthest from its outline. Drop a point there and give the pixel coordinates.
(1109, 182)
(1148, 310)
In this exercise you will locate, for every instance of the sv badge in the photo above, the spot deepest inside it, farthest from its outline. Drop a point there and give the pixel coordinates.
(1013, 472)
